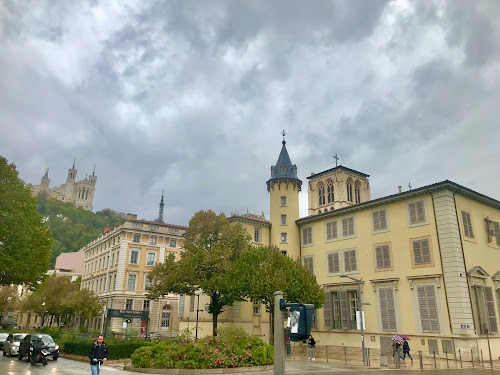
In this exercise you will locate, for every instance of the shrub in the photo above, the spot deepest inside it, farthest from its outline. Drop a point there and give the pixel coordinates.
(233, 348)
(117, 349)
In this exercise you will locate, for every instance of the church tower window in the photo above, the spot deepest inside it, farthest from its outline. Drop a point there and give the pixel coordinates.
(283, 169)
(331, 196)
(349, 190)
(357, 192)
(321, 193)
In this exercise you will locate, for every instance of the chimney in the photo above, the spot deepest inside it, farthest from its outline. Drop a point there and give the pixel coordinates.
(131, 216)
(400, 189)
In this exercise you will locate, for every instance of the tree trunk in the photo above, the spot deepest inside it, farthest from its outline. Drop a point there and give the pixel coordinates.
(214, 324)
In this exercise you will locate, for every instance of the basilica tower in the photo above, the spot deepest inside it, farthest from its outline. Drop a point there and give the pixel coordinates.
(284, 187)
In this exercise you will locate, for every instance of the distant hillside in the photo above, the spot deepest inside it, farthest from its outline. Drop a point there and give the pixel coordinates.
(72, 227)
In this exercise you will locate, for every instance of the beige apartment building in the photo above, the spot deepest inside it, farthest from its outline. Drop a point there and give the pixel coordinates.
(116, 268)
(427, 261)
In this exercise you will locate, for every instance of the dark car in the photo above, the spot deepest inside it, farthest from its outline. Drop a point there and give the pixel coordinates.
(3, 337)
(27, 343)
(11, 345)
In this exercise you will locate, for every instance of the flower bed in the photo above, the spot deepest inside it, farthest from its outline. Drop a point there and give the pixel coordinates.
(232, 348)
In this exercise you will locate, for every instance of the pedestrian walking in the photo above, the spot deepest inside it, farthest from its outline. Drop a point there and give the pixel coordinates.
(406, 350)
(311, 344)
(97, 355)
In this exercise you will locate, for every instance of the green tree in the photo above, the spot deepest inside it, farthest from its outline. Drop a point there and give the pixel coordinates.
(264, 270)
(25, 253)
(8, 300)
(212, 247)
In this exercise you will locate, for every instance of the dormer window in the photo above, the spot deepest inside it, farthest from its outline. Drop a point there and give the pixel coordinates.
(283, 169)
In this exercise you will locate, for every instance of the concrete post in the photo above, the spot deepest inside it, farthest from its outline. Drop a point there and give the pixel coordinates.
(279, 339)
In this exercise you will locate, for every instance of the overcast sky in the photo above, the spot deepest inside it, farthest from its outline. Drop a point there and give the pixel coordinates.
(191, 96)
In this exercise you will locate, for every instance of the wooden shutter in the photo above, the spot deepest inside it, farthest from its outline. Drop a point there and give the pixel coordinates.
(331, 230)
(376, 221)
(420, 211)
(327, 310)
(492, 318)
(350, 263)
(354, 261)
(412, 207)
(387, 310)
(344, 310)
(383, 219)
(467, 225)
(428, 309)
(387, 256)
(345, 228)
(496, 227)
(379, 257)
(383, 256)
(488, 230)
(333, 263)
(426, 252)
(417, 252)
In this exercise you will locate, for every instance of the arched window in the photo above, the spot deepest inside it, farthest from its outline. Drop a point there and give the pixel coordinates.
(329, 189)
(357, 192)
(349, 190)
(321, 193)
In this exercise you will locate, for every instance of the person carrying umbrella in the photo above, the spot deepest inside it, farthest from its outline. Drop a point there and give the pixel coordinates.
(406, 348)
(398, 341)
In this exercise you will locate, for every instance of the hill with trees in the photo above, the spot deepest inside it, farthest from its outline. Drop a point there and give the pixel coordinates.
(73, 227)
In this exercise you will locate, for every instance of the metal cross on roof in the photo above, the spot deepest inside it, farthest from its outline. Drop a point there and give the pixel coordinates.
(336, 159)
(409, 185)
(283, 133)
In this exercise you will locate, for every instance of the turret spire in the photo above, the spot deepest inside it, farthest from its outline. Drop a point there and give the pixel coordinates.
(93, 173)
(74, 161)
(284, 169)
(162, 204)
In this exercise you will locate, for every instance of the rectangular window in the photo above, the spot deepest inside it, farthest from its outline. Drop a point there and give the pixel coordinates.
(333, 262)
(283, 219)
(421, 252)
(428, 308)
(151, 259)
(485, 307)
(348, 227)
(307, 236)
(467, 223)
(165, 319)
(131, 282)
(283, 201)
(134, 257)
(331, 231)
(379, 219)
(383, 257)
(350, 261)
(283, 237)
(256, 307)
(340, 309)
(153, 226)
(148, 283)
(387, 310)
(152, 240)
(136, 224)
(191, 302)
(172, 243)
(416, 212)
(256, 235)
(137, 238)
(129, 304)
(146, 305)
(308, 262)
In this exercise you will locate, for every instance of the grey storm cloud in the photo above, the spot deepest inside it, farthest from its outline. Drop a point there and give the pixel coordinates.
(191, 96)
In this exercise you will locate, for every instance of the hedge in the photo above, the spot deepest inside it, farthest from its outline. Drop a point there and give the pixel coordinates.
(117, 349)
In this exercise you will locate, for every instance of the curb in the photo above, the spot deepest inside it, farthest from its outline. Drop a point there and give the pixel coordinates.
(233, 370)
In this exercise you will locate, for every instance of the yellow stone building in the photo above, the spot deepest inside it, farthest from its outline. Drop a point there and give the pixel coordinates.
(116, 268)
(428, 260)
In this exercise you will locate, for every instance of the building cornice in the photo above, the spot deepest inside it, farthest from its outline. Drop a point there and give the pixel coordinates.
(429, 189)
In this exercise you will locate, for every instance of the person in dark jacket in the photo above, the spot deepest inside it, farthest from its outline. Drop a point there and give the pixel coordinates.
(311, 344)
(97, 355)
(406, 350)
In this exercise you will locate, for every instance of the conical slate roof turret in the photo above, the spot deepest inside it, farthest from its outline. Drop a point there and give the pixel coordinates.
(284, 169)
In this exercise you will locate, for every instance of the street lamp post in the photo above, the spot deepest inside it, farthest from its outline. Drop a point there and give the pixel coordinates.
(197, 314)
(360, 307)
(43, 313)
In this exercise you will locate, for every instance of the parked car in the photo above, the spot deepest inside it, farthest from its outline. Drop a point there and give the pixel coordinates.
(27, 343)
(11, 345)
(3, 337)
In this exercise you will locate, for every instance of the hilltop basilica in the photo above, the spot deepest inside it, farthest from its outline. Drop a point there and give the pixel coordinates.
(80, 193)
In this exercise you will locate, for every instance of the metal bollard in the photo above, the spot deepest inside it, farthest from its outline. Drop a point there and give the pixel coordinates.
(472, 357)
(326, 352)
(420, 359)
(447, 364)
(434, 353)
(345, 355)
(460, 355)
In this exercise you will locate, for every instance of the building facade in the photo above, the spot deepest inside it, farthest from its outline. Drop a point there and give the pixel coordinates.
(80, 193)
(427, 261)
(116, 269)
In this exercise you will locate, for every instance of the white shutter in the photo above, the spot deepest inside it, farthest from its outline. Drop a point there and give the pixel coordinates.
(376, 221)
(331, 230)
(412, 207)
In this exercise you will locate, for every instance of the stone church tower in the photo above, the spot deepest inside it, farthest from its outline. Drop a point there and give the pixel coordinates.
(80, 193)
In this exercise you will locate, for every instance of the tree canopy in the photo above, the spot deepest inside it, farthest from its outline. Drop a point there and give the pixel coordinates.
(211, 250)
(8, 300)
(25, 253)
